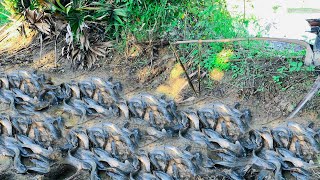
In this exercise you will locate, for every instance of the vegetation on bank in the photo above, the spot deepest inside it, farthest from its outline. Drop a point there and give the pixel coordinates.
(91, 26)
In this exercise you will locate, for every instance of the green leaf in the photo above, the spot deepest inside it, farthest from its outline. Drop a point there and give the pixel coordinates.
(118, 19)
(61, 6)
(120, 12)
(310, 68)
(68, 9)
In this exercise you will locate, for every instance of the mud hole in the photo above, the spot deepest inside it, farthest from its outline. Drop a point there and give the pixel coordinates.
(161, 76)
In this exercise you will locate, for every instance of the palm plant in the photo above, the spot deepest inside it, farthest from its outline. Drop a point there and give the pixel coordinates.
(77, 19)
(82, 16)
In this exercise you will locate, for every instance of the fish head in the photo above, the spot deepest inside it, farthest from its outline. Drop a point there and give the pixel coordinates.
(281, 151)
(118, 86)
(144, 104)
(4, 82)
(89, 88)
(50, 149)
(185, 120)
(241, 149)
(74, 83)
(265, 129)
(14, 80)
(98, 82)
(65, 87)
(136, 162)
(246, 114)
(124, 108)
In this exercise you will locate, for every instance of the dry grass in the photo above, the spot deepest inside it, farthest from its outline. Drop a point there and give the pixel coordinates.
(12, 40)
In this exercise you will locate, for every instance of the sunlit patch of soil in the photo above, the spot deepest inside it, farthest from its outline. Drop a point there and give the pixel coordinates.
(216, 74)
(175, 84)
(47, 61)
(135, 51)
(144, 73)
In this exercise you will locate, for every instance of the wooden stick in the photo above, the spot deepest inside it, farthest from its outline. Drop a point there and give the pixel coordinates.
(308, 61)
(184, 69)
(311, 93)
(199, 69)
(309, 53)
(56, 36)
(41, 41)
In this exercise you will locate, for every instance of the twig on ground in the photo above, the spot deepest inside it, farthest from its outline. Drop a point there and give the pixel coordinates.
(314, 89)
(185, 71)
(41, 43)
(199, 69)
(308, 57)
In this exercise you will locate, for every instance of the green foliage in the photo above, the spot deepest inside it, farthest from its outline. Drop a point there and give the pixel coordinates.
(3, 15)
(277, 79)
(257, 56)
(173, 20)
(293, 67)
(35, 4)
(152, 18)
(15, 7)
(9, 8)
(12, 7)
(209, 20)
(238, 70)
(177, 20)
(73, 14)
(110, 16)
(218, 60)
(258, 65)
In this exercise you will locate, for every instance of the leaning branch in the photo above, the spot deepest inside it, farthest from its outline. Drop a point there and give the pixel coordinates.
(307, 60)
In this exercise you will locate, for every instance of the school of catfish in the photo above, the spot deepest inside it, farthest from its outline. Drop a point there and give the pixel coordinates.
(33, 137)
